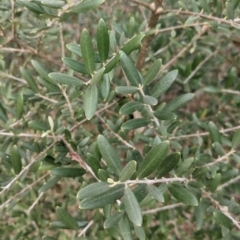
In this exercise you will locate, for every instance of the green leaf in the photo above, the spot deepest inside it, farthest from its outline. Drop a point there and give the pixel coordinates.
(93, 163)
(129, 69)
(152, 72)
(184, 166)
(49, 184)
(236, 139)
(113, 220)
(97, 76)
(128, 171)
(214, 132)
(66, 218)
(3, 114)
(87, 51)
(105, 86)
(163, 85)
(153, 159)
(85, 6)
(53, 4)
(16, 160)
(112, 63)
(168, 164)
(42, 71)
(182, 194)
(150, 100)
(109, 155)
(156, 193)
(178, 102)
(135, 123)
(48, 238)
(75, 65)
(102, 40)
(230, 10)
(74, 48)
(30, 80)
(163, 115)
(111, 195)
(65, 79)
(93, 190)
(215, 182)
(90, 101)
(126, 89)
(133, 43)
(222, 219)
(32, 6)
(35, 125)
(103, 175)
(20, 108)
(131, 107)
(68, 172)
(204, 5)
(125, 228)
(132, 207)
(139, 232)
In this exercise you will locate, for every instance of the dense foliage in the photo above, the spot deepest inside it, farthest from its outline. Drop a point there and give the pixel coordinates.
(119, 119)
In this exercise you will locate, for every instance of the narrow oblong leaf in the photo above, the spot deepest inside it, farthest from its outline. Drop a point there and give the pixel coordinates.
(135, 123)
(35, 125)
(153, 159)
(3, 114)
(85, 6)
(129, 69)
(66, 218)
(42, 70)
(125, 228)
(68, 172)
(32, 6)
(65, 79)
(112, 63)
(168, 164)
(87, 51)
(163, 115)
(75, 65)
(105, 86)
(16, 160)
(215, 182)
(156, 193)
(126, 89)
(139, 232)
(236, 139)
(184, 166)
(222, 219)
(109, 155)
(20, 108)
(214, 132)
(128, 171)
(49, 184)
(30, 80)
(93, 190)
(163, 85)
(48, 238)
(182, 194)
(113, 220)
(102, 40)
(152, 72)
(178, 102)
(90, 101)
(132, 207)
(93, 163)
(133, 43)
(131, 107)
(74, 48)
(97, 76)
(53, 4)
(111, 195)
(149, 100)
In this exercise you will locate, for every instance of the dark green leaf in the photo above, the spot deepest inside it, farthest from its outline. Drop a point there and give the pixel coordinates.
(182, 194)
(97, 76)
(131, 107)
(30, 80)
(135, 123)
(65, 79)
(66, 218)
(113, 220)
(111, 195)
(16, 160)
(68, 172)
(50, 183)
(214, 132)
(184, 166)
(156, 193)
(87, 51)
(20, 108)
(125, 228)
(178, 102)
(128, 171)
(168, 164)
(132, 207)
(153, 159)
(150, 100)
(53, 4)
(163, 115)
(129, 69)
(133, 43)
(102, 40)
(236, 139)
(112, 63)
(140, 232)
(163, 85)
(109, 155)
(85, 6)
(75, 65)
(32, 6)
(222, 219)
(90, 101)
(152, 72)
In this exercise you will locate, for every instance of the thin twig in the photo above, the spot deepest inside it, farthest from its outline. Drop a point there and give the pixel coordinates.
(85, 229)
(160, 209)
(221, 159)
(34, 203)
(13, 77)
(46, 98)
(220, 187)
(230, 91)
(142, 4)
(153, 181)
